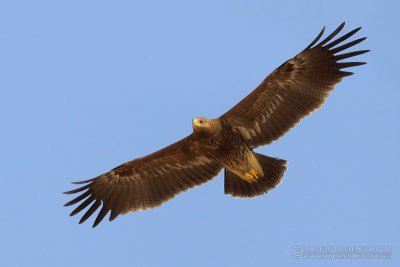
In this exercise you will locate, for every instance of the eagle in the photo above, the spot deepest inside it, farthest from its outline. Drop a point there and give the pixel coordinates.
(292, 91)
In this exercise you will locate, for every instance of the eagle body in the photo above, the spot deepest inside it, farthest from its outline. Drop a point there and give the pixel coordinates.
(219, 141)
(291, 92)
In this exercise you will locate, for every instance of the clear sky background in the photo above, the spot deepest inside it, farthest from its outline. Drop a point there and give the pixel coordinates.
(88, 85)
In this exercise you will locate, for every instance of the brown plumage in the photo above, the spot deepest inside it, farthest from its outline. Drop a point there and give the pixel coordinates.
(292, 91)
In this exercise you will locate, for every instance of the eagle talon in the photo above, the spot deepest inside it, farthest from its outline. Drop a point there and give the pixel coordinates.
(251, 176)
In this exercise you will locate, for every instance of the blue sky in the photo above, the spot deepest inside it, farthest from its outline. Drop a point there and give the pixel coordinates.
(88, 85)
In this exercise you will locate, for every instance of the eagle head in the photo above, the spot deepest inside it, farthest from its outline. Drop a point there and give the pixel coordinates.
(205, 126)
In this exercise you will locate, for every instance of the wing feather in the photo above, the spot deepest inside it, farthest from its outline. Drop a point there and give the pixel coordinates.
(294, 90)
(145, 182)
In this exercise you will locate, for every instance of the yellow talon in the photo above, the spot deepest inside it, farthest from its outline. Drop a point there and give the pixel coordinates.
(251, 176)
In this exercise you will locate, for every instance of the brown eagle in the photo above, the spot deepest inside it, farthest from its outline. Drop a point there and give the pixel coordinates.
(292, 91)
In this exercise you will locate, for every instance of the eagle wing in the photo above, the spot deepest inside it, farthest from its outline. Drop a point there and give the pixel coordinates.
(145, 182)
(294, 90)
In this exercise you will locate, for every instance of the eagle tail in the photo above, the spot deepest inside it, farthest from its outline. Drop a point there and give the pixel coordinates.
(273, 169)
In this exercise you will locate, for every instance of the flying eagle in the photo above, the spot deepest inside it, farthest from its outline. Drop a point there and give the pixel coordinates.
(291, 92)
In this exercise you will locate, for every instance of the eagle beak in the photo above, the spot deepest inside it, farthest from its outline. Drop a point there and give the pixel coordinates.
(197, 122)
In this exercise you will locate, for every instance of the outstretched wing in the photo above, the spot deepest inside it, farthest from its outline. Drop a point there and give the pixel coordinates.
(295, 89)
(145, 182)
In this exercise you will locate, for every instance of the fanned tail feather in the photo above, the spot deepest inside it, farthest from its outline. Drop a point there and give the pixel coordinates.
(273, 169)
